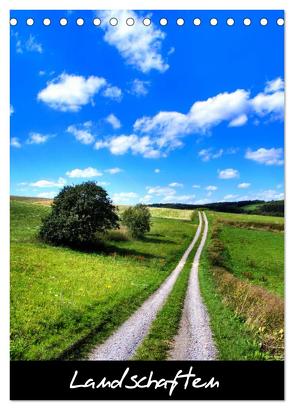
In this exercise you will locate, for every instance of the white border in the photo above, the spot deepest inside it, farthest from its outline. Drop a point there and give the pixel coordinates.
(288, 6)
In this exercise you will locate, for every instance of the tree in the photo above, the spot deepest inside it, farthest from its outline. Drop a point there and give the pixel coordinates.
(78, 212)
(137, 220)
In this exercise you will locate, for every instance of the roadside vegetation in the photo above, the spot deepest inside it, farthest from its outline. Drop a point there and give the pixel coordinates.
(237, 271)
(65, 300)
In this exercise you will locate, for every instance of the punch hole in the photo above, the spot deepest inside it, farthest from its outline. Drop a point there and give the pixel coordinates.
(130, 21)
(163, 22)
(13, 21)
(197, 22)
(46, 22)
(213, 21)
(280, 21)
(263, 21)
(96, 21)
(180, 21)
(247, 21)
(80, 21)
(30, 21)
(113, 21)
(147, 21)
(230, 21)
(63, 22)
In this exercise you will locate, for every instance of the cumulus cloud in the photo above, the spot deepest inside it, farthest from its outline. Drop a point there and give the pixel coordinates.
(167, 128)
(113, 92)
(113, 171)
(230, 197)
(11, 109)
(211, 188)
(139, 46)
(244, 185)
(160, 191)
(238, 121)
(15, 142)
(139, 87)
(119, 145)
(31, 44)
(82, 133)
(157, 170)
(84, 173)
(37, 138)
(113, 121)
(69, 92)
(208, 154)
(196, 186)
(274, 85)
(272, 156)
(44, 183)
(178, 198)
(124, 197)
(175, 185)
(228, 173)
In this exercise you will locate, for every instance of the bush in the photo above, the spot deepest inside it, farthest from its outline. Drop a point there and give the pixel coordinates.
(78, 212)
(137, 220)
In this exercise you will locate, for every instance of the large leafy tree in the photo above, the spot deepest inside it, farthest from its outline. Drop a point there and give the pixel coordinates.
(78, 212)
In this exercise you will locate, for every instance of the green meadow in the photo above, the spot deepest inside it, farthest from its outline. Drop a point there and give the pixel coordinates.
(62, 297)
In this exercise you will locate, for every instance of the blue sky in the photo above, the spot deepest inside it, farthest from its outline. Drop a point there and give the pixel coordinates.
(190, 114)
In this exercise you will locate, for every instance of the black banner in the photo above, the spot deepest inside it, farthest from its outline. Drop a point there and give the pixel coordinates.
(171, 380)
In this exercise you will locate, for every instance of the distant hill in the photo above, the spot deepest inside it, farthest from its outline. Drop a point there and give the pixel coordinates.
(274, 208)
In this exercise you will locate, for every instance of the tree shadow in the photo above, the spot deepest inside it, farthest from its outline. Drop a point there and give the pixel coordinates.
(102, 248)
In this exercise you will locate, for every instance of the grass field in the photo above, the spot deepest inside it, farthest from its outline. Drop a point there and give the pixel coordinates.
(242, 281)
(60, 296)
(255, 255)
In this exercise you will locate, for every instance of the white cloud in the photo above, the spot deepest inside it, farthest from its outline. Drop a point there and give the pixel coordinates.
(196, 186)
(270, 195)
(124, 197)
(82, 133)
(274, 85)
(211, 188)
(167, 128)
(265, 104)
(208, 154)
(119, 145)
(244, 185)
(175, 185)
(146, 198)
(113, 121)
(31, 44)
(139, 87)
(160, 191)
(11, 109)
(178, 198)
(84, 173)
(49, 194)
(238, 121)
(114, 171)
(139, 46)
(157, 170)
(228, 173)
(113, 92)
(37, 138)
(15, 142)
(272, 156)
(43, 183)
(69, 92)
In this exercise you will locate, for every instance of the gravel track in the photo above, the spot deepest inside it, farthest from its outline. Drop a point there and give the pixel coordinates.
(194, 339)
(125, 340)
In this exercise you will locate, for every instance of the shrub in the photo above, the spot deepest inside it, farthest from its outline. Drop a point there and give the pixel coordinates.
(137, 220)
(78, 212)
